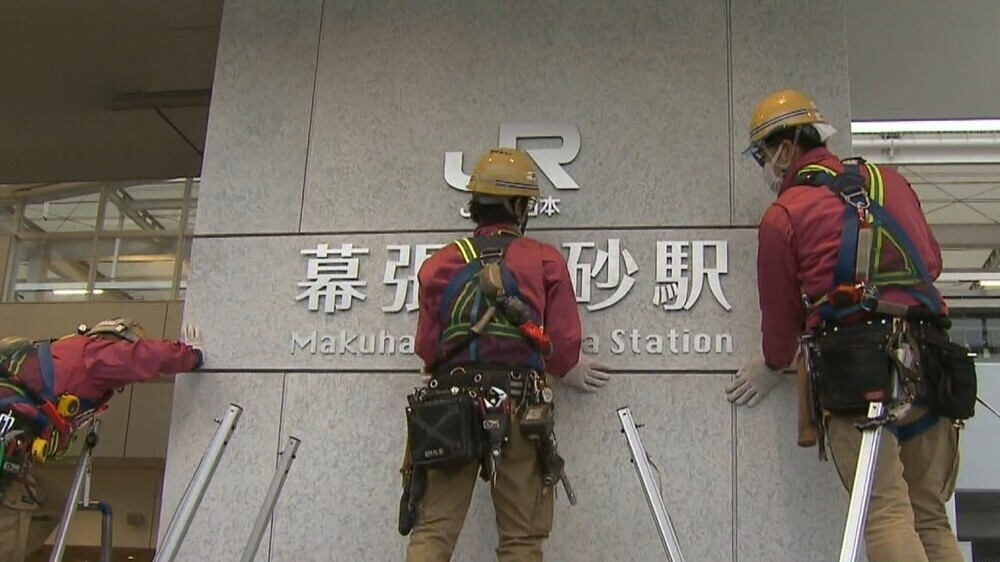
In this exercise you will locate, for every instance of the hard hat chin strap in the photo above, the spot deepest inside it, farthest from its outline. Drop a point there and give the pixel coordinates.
(522, 215)
(523, 224)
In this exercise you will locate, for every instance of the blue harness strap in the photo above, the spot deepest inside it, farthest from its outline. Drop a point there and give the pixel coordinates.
(844, 270)
(8, 401)
(47, 369)
(456, 284)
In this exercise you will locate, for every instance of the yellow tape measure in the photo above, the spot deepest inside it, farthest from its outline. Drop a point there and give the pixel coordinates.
(69, 406)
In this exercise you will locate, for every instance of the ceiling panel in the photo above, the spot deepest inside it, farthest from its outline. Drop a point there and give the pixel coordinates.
(924, 59)
(64, 63)
(958, 213)
(965, 259)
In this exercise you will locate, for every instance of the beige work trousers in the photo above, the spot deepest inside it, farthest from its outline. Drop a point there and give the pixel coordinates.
(524, 506)
(907, 520)
(25, 524)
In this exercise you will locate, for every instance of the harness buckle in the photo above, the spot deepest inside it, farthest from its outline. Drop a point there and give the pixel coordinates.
(869, 298)
(843, 296)
(857, 198)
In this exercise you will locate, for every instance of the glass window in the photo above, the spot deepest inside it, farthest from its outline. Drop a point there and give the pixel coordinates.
(76, 213)
(152, 206)
(135, 268)
(52, 270)
(101, 241)
(967, 331)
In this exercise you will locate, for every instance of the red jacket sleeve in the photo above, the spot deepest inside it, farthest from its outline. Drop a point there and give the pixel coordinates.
(112, 364)
(431, 281)
(561, 317)
(781, 311)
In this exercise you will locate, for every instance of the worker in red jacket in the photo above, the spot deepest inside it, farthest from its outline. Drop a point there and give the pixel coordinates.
(497, 312)
(847, 259)
(49, 391)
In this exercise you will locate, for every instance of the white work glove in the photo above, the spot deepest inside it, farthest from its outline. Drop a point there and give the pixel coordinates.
(752, 383)
(589, 375)
(191, 336)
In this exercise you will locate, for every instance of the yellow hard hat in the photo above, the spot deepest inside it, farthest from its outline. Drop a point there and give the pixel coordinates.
(787, 108)
(783, 110)
(504, 172)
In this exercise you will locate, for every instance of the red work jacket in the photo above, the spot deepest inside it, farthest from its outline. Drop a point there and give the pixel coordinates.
(798, 245)
(543, 279)
(92, 369)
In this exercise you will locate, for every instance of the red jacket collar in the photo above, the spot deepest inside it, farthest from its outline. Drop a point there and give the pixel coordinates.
(492, 229)
(819, 155)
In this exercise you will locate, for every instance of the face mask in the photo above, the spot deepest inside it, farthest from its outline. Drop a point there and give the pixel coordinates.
(773, 178)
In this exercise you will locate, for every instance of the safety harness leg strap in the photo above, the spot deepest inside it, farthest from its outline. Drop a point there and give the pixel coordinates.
(915, 429)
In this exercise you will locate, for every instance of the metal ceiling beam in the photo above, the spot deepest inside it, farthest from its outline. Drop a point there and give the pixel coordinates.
(966, 236)
(973, 148)
(161, 204)
(961, 275)
(993, 261)
(124, 202)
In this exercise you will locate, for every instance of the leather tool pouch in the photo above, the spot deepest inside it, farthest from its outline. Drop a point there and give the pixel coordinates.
(445, 428)
(949, 372)
(852, 366)
(538, 420)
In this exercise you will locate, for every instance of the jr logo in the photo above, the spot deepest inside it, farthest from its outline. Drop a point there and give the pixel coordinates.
(550, 161)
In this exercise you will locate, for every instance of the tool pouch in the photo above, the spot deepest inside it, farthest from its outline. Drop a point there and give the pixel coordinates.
(949, 372)
(538, 420)
(444, 428)
(15, 439)
(852, 366)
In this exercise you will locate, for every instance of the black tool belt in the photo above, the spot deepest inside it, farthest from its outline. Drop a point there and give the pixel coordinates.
(482, 378)
(949, 372)
(857, 364)
(852, 366)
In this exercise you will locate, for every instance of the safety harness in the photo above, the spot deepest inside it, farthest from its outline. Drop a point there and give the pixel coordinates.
(484, 299)
(857, 281)
(867, 229)
(53, 418)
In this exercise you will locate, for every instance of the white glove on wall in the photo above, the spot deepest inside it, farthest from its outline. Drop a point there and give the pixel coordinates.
(589, 375)
(191, 335)
(752, 383)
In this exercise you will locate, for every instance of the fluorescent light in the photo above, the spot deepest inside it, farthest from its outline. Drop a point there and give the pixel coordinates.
(949, 126)
(990, 283)
(64, 292)
(969, 275)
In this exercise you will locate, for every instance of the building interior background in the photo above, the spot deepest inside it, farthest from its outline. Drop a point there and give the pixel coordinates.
(103, 120)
